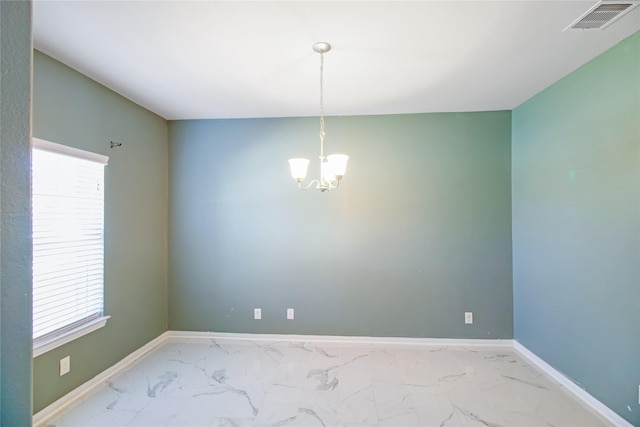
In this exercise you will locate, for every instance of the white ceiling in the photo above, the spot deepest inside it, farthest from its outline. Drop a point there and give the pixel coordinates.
(232, 59)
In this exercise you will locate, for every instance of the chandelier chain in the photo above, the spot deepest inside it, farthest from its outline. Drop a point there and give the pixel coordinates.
(321, 104)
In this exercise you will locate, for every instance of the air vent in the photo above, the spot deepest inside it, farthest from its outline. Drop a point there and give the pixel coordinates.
(602, 14)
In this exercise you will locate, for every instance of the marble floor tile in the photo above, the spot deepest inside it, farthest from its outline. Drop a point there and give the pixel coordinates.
(267, 383)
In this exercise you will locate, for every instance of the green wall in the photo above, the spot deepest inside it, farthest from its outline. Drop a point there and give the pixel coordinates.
(418, 233)
(15, 214)
(71, 109)
(576, 226)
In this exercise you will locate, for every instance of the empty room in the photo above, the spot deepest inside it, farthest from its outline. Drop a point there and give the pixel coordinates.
(320, 213)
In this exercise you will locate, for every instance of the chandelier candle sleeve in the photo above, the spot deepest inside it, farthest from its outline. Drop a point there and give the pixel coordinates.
(333, 166)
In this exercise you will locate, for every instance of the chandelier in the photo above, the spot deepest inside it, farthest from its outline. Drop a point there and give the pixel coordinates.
(333, 166)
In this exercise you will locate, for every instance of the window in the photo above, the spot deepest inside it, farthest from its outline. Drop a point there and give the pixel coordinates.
(68, 243)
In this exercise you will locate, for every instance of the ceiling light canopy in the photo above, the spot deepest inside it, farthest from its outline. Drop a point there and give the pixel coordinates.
(333, 166)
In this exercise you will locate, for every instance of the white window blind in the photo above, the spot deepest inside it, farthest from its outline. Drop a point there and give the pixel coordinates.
(68, 238)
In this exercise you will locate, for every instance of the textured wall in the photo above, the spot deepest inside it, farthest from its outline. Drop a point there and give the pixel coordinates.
(576, 226)
(71, 109)
(418, 233)
(15, 213)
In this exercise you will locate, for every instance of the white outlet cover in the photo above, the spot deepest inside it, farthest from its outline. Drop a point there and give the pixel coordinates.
(257, 313)
(468, 318)
(290, 313)
(65, 365)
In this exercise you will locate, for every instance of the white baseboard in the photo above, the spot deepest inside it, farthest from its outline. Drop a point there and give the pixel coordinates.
(572, 387)
(187, 335)
(47, 414)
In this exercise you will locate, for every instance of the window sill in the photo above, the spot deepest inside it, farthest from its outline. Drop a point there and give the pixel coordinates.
(54, 342)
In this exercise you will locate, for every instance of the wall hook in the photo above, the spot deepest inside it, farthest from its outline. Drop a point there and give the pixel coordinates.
(116, 144)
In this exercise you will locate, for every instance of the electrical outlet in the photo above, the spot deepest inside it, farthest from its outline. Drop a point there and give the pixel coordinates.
(468, 317)
(290, 314)
(65, 365)
(257, 313)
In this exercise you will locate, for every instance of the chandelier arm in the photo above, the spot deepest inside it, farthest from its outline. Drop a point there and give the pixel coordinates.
(306, 187)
